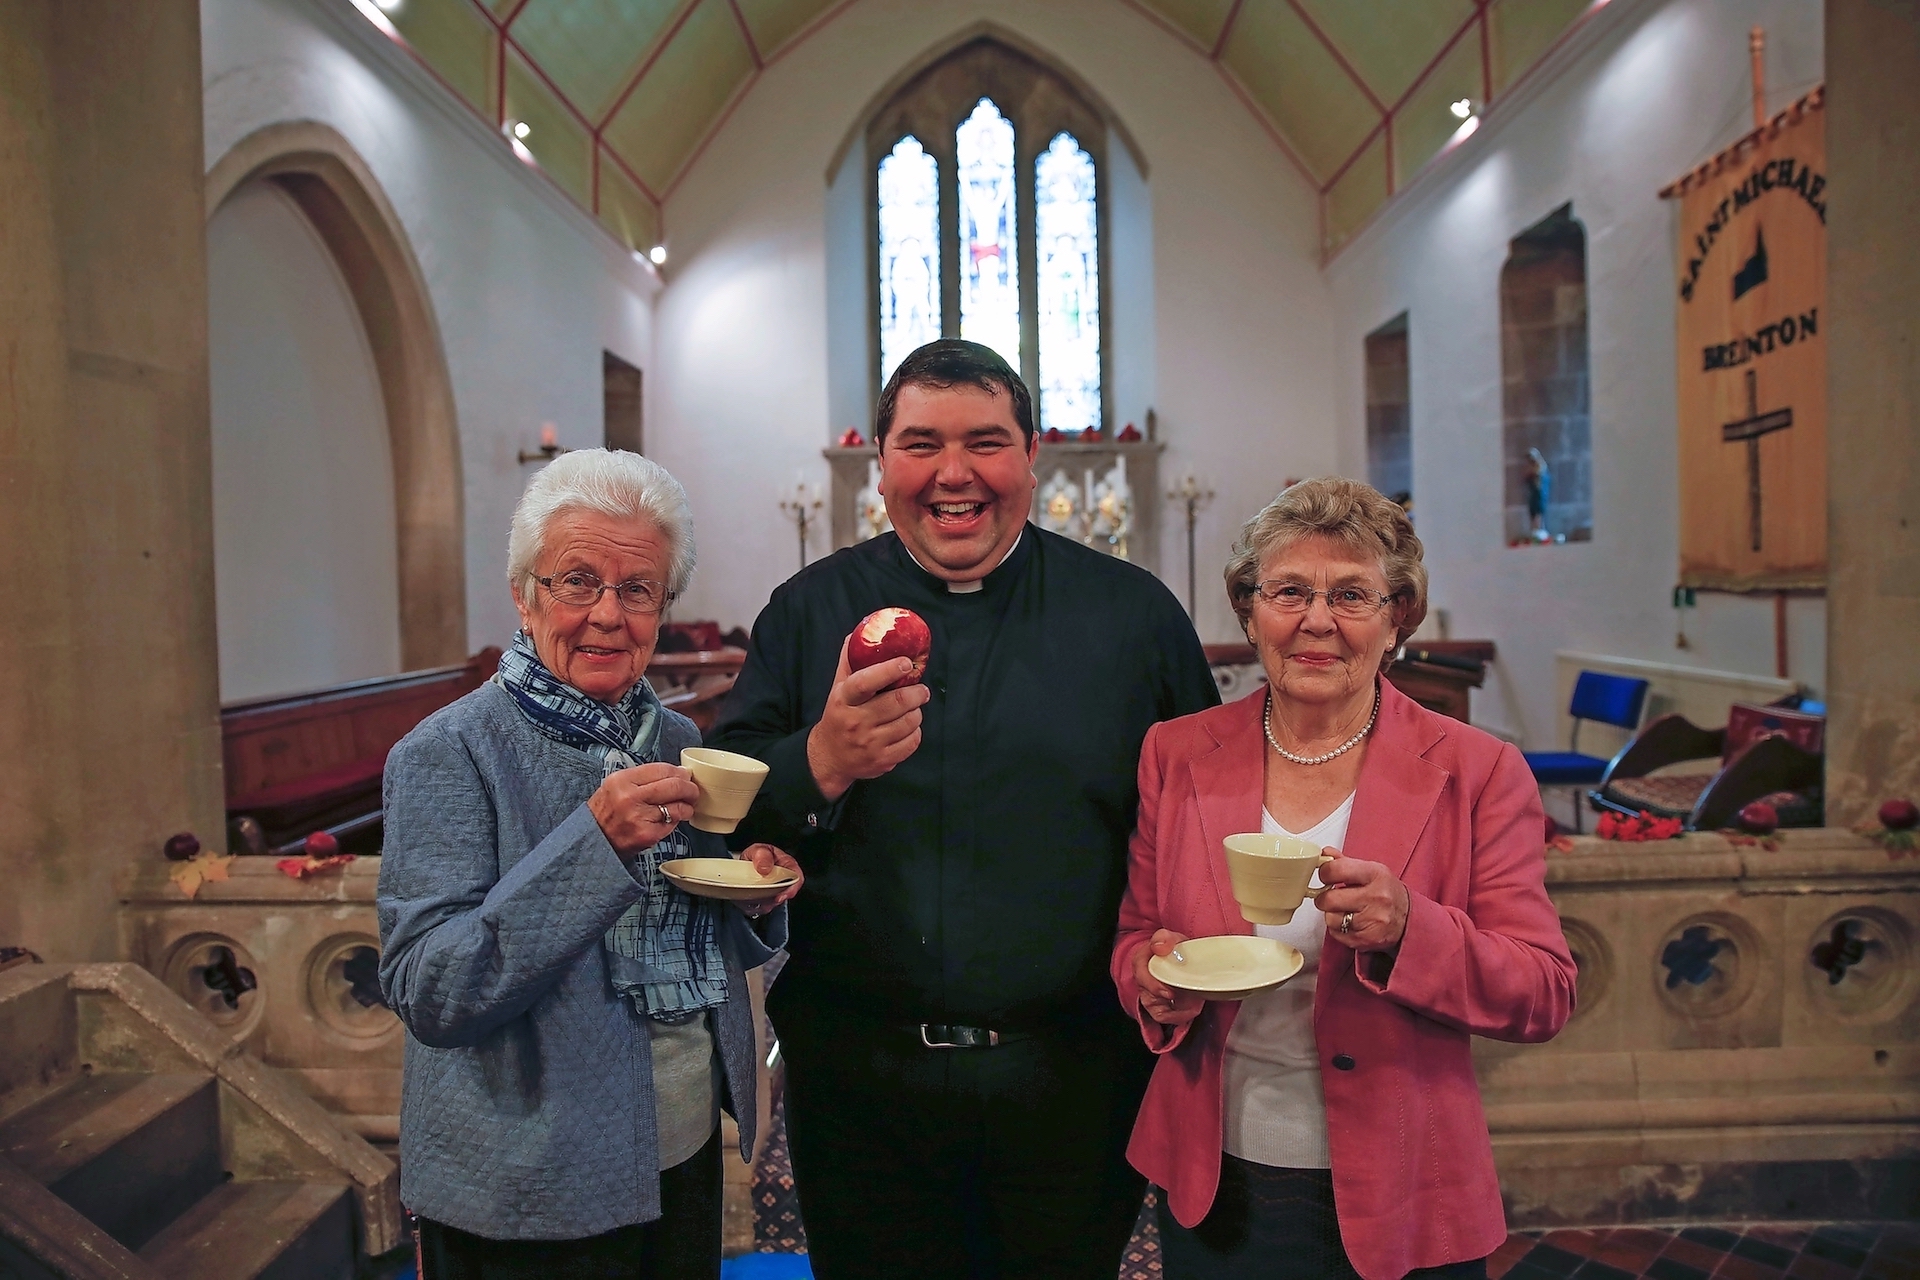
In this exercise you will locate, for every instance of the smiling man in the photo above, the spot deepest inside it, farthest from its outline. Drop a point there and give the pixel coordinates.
(961, 1081)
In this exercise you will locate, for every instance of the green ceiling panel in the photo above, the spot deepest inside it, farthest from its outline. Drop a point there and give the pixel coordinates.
(501, 8)
(683, 93)
(1200, 19)
(558, 141)
(1316, 105)
(1424, 124)
(1521, 31)
(627, 213)
(457, 41)
(774, 22)
(591, 48)
(1361, 190)
(1389, 41)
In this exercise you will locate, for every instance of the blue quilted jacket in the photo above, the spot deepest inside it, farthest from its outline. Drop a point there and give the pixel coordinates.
(526, 1106)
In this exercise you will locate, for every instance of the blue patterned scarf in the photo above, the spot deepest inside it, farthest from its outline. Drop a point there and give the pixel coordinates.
(665, 950)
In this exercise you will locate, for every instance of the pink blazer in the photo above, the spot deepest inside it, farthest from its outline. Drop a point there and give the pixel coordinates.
(1453, 812)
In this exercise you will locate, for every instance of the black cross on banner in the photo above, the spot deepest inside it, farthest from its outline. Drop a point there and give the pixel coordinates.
(1750, 429)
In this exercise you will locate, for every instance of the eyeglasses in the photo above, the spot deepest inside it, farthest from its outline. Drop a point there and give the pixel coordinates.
(581, 590)
(1297, 597)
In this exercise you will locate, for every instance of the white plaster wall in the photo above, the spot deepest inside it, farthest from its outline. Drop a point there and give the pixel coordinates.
(305, 552)
(1230, 337)
(1650, 89)
(526, 289)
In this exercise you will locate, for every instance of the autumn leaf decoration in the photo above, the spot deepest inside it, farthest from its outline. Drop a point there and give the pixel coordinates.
(322, 855)
(192, 865)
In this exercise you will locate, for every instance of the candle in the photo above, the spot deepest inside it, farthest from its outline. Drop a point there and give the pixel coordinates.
(549, 436)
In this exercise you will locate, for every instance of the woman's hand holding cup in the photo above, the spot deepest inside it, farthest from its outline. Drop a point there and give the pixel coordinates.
(1162, 1003)
(1379, 903)
(637, 808)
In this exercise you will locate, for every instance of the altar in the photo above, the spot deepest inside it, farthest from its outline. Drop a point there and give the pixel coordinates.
(1104, 493)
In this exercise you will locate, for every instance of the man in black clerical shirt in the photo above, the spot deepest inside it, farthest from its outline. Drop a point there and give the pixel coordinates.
(961, 1078)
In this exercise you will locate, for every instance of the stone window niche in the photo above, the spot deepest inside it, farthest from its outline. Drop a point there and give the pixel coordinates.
(1548, 438)
(620, 390)
(1389, 416)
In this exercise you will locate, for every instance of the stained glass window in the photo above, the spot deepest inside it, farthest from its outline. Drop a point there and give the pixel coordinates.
(989, 267)
(909, 252)
(1069, 279)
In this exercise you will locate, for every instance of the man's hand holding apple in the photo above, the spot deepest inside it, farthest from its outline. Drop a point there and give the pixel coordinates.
(869, 725)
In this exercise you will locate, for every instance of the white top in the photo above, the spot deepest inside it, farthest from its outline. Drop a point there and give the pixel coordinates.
(1270, 1082)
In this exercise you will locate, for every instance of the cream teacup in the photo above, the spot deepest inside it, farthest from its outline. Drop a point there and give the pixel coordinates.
(728, 784)
(1271, 874)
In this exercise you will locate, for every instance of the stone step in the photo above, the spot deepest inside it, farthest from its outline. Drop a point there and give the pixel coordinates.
(130, 1151)
(260, 1231)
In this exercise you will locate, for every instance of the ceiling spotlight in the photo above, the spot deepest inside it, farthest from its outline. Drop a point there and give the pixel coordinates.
(390, 6)
(1461, 109)
(521, 129)
(658, 255)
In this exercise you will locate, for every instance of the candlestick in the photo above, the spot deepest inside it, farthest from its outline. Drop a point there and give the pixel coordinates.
(1194, 495)
(802, 509)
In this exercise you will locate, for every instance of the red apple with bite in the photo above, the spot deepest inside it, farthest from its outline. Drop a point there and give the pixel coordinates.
(891, 633)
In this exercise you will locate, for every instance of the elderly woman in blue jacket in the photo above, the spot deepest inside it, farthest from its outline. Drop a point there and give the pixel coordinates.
(575, 1022)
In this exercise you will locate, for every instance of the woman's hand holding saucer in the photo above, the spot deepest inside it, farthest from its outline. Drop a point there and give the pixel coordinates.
(1365, 904)
(637, 808)
(766, 860)
(1164, 1004)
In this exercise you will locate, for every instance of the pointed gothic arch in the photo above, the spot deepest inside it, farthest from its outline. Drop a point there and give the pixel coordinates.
(323, 174)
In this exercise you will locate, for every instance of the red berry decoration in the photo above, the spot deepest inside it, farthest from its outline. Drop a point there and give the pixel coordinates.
(321, 844)
(1759, 819)
(179, 848)
(891, 633)
(851, 438)
(1899, 815)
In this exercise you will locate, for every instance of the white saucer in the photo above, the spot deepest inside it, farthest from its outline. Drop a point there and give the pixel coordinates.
(1229, 967)
(731, 878)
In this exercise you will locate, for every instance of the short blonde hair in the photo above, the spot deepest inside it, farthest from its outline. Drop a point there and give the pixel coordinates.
(1356, 515)
(613, 483)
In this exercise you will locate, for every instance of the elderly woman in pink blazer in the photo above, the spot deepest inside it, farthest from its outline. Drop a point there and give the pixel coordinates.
(1332, 1126)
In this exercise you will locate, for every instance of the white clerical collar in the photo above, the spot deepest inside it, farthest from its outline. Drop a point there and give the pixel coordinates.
(968, 588)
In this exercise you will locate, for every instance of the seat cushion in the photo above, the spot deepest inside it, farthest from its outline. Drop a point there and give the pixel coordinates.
(1667, 796)
(1564, 768)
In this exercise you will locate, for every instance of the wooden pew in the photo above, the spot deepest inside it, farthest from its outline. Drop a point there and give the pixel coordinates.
(305, 762)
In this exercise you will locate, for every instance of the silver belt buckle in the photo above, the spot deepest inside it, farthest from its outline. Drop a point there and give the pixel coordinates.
(993, 1039)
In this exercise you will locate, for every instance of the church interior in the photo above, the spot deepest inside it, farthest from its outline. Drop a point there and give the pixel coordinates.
(300, 294)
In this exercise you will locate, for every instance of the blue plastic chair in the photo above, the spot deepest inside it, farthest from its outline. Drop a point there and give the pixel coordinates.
(1604, 699)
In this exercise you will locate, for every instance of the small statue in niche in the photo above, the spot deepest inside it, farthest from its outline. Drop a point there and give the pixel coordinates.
(869, 508)
(1539, 480)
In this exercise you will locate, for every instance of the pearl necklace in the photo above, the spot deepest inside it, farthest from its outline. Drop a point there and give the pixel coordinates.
(1340, 750)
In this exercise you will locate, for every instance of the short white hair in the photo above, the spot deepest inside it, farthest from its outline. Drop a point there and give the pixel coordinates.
(611, 482)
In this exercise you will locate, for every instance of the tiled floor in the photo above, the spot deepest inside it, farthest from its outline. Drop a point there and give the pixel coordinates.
(1757, 1251)
(1770, 1251)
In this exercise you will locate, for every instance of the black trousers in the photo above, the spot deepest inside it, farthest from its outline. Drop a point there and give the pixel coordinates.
(1271, 1224)
(961, 1164)
(683, 1243)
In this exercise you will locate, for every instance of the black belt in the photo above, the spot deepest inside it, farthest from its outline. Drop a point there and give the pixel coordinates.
(946, 1036)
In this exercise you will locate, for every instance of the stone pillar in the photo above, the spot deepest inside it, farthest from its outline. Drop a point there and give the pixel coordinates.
(1873, 381)
(109, 723)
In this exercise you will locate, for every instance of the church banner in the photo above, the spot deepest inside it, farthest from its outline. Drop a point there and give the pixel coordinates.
(1753, 359)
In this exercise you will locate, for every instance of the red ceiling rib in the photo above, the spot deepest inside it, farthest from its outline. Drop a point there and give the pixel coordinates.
(810, 30)
(753, 48)
(646, 64)
(1327, 43)
(1226, 29)
(1160, 20)
(1486, 59)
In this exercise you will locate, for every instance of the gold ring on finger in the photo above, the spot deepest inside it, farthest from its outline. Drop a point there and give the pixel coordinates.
(1346, 923)
(668, 818)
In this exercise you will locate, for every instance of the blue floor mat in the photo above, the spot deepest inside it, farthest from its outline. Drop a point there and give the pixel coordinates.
(767, 1266)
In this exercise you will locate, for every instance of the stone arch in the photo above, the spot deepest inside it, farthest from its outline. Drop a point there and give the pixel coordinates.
(984, 30)
(323, 174)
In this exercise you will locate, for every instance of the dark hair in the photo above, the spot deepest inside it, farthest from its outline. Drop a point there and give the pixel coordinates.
(954, 362)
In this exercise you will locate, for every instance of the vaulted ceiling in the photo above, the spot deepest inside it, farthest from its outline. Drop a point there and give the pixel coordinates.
(614, 99)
